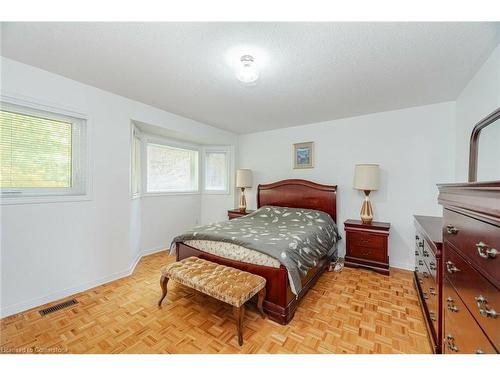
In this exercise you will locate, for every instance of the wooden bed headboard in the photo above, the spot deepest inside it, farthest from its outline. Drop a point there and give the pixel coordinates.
(299, 194)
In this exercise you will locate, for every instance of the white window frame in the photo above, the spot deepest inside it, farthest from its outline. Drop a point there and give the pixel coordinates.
(150, 139)
(218, 149)
(80, 181)
(135, 134)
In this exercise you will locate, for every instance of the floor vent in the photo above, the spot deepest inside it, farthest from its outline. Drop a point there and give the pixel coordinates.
(58, 307)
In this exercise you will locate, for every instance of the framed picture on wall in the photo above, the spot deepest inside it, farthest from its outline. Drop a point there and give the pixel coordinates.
(303, 155)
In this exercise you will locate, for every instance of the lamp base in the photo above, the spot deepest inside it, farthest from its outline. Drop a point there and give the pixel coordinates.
(243, 201)
(366, 209)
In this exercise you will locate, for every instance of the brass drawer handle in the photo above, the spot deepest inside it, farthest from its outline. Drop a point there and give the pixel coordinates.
(432, 291)
(450, 267)
(420, 262)
(479, 351)
(432, 266)
(426, 275)
(426, 253)
(424, 294)
(451, 306)
(484, 310)
(485, 251)
(450, 342)
(416, 252)
(450, 229)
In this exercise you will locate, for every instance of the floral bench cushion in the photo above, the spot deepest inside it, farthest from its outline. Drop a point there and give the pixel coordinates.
(226, 284)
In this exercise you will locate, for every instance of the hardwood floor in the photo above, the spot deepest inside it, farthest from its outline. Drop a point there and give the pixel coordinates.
(355, 311)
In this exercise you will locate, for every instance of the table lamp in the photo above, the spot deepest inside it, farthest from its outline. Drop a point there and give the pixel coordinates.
(243, 180)
(366, 178)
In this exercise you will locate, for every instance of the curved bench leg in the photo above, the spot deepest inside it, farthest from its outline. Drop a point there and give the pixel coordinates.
(163, 283)
(239, 312)
(261, 297)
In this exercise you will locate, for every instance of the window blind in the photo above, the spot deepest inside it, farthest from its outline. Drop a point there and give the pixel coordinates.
(35, 152)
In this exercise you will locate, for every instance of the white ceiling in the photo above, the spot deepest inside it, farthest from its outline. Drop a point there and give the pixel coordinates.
(309, 72)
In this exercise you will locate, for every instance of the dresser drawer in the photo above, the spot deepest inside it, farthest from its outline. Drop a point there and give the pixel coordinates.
(432, 307)
(429, 289)
(427, 251)
(429, 296)
(432, 266)
(425, 255)
(477, 241)
(366, 240)
(420, 264)
(423, 274)
(461, 333)
(369, 253)
(419, 245)
(473, 288)
(430, 262)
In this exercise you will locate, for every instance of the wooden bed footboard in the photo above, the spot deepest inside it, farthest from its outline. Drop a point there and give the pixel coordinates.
(280, 303)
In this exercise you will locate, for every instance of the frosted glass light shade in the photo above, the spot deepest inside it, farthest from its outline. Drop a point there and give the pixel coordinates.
(244, 178)
(366, 177)
(248, 72)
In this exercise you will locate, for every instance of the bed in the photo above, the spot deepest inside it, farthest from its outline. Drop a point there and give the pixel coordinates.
(281, 302)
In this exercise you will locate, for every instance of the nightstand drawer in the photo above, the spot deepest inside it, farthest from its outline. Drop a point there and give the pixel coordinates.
(366, 240)
(368, 253)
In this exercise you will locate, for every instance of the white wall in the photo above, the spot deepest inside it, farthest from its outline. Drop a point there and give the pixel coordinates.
(479, 98)
(51, 250)
(163, 219)
(415, 150)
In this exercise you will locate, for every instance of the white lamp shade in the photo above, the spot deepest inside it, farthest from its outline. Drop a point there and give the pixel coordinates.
(244, 178)
(366, 177)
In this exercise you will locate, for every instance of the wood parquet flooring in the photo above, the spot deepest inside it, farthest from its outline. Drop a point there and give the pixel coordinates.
(355, 311)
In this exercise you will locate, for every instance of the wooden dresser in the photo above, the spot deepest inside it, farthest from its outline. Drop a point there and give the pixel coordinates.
(471, 267)
(428, 273)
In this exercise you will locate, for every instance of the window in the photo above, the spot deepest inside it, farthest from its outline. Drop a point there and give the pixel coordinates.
(41, 153)
(171, 169)
(136, 165)
(216, 170)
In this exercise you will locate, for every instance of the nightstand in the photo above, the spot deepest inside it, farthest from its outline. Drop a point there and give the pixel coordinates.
(233, 214)
(366, 245)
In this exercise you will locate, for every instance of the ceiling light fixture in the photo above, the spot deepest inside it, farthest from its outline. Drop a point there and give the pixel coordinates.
(248, 73)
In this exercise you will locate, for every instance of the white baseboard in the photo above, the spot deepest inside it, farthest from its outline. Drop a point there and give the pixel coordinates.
(29, 304)
(404, 266)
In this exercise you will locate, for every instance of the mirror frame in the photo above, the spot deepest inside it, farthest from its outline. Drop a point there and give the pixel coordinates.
(474, 142)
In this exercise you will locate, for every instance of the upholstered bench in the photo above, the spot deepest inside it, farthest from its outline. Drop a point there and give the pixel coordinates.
(226, 284)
